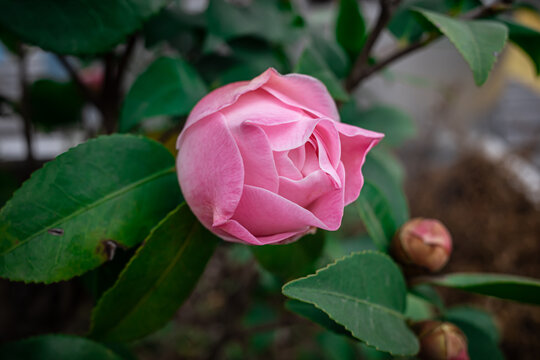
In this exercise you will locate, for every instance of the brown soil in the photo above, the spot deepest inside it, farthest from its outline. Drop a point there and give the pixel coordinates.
(495, 229)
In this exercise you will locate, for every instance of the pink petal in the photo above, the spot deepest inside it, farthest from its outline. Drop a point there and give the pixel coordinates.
(304, 191)
(211, 174)
(264, 213)
(304, 92)
(355, 144)
(257, 156)
(285, 166)
(233, 231)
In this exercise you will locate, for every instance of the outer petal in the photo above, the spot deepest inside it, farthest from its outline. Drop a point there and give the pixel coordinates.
(264, 213)
(355, 144)
(233, 231)
(211, 173)
(304, 92)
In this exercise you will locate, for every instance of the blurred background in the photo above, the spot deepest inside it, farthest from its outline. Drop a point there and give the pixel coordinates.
(474, 163)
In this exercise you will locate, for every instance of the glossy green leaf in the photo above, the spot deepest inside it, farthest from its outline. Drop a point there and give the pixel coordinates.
(311, 63)
(396, 125)
(312, 313)
(54, 103)
(407, 25)
(477, 317)
(376, 214)
(230, 19)
(479, 343)
(291, 260)
(508, 287)
(478, 41)
(527, 39)
(76, 26)
(56, 347)
(156, 281)
(72, 214)
(169, 86)
(350, 27)
(376, 172)
(364, 292)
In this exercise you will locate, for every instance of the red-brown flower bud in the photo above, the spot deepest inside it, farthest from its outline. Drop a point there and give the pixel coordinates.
(423, 242)
(441, 341)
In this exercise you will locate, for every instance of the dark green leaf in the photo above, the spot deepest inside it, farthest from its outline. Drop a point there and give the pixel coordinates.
(508, 287)
(480, 318)
(291, 260)
(168, 87)
(230, 19)
(396, 125)
(332, 54)
(376, 172)
(418, 309)
(428, 292)
(480, 345)
(156, 281)
(55, 103)
(478, 41)
(310, 312)
(74, 212)
(350, 27)
(376, 214)
(527, 39)
(364, 292)
(311, 63)
(406, 25)
(56, 347)
(76, 26)
(181, 30)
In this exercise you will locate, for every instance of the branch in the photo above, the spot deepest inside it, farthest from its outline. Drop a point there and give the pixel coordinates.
(387, 9)
(25, 103)
(122, 64)
(360, 74)
(86, 92)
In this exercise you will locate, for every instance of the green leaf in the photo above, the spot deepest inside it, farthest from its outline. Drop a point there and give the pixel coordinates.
(406, 25)
(527, 39)
(55, 103)
(396, 125)
(480, 318)
(311, 63)
(56, 347)
(168, 86)
(478, 41)
(480, 345)
(522, 289)
(364, 292)
(156, 281)
(375, 171)
(76, 26)
(418, 309)
(291, 260)
(230, 19)
(350, 27)
(312, 313)
(376, 214)
(332, 54)
(70, 216)
(428, 293)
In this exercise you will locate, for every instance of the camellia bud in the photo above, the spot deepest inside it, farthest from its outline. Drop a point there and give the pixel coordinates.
(423, 242)
(441, 341)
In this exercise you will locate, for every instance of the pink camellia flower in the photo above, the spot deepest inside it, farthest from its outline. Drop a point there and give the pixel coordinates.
(267, 161)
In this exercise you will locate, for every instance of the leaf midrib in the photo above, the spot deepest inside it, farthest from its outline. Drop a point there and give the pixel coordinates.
(156, 284)
(350, 298)
(90, 206)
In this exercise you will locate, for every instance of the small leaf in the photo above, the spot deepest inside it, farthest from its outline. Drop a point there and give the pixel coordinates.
(479, 343)
(407, 25)
(418, 309)
(428, 293)
(364, 292)
(70, 216)
(156, 281)
(478, 41)
(168, 86)
(376, 214)
(522, 289)
(350, 27)
(332, 54)
(291, 260)
(396, 125)
(56, 347)
(477, 317)
(76, 26)
(311, 63)
(527, 39)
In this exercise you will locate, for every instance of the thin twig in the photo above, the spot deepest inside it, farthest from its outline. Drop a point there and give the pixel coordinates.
(86, 92)
(25, 104)
(387, 9)
(359, 75)
(109, 95)
(122, 64)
